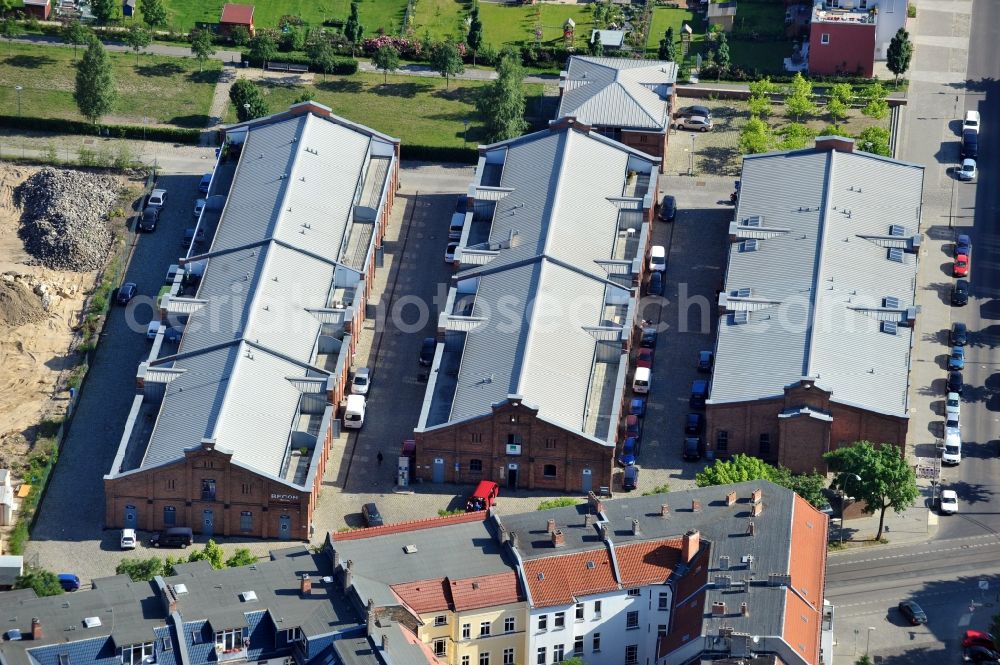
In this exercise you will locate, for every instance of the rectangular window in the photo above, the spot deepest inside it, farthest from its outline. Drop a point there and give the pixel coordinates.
(508, 625)
(596, 648)
(631, 654)
(441, 620)
(171, 484)
(484, 658)
(439, 648)
(246, 521)
(169, 516)
(631, 620)
(293, 634)
(642, 138)
(477, 437)
(465, 660)
(541, 656)
(549, 470)
(663, 600)
(476, 465)
(247, 488)
(513, 439)
(543, 622)
(578, 645)
(722, 441)
(597, 609)
(765, 445)
(558, 653)
(134, 654)
(508, 657)
(230, 639)
(634, 592)
(484, 629)
(207, 489)
(466, 631)
(824, 38)
(550, 443)
(661, 631)
(560, 620)
(579, 611)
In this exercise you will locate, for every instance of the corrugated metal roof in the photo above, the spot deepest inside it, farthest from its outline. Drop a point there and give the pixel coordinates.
(618, 92)
(824, 273)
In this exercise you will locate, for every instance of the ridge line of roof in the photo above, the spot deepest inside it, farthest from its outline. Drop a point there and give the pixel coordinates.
(629, 94)
(818, 264)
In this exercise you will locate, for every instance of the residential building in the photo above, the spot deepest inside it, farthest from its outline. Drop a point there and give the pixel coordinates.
(272, 308)
(817, 310)
(279, 612)
(529, 378)
(722, 14)
(11, 567)
(39, 9)
(630, 101)
(847, 37)
(234, 15)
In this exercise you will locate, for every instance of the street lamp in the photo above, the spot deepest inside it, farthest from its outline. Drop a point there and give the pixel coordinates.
(843, 502)
(18, 89)
(691, 165)
(869, 642)
(246, 107)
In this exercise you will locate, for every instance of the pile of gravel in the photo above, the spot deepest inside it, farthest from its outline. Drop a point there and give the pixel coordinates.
(19, 305)
(63, 223)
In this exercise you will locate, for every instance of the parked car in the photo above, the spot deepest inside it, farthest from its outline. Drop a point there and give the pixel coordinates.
(627, 456)
(955, 382)
(949, 502)
(175, 536)
(449, 252)
(967, 171)
(648, 339)
(655, 287)
(695, 110)
(427, 348)
(694, 423)
(171, 273)
(658, 258)
(692, 448)
(912, 612)
(699, 393)
(668, 208)
(963, 245)
(362, 381)
(637, 407)
(971, 121)
(128, 539)
(970, 144)
(157, 198)
(977, 638)
(150, 218)
(644, 357)
(630, 478)
(199, 207)
(371, 515)
(980, 653)
(952, 404)
(633, 427)
(462, 204)
(69, 582)
(126, 292)
(206, 180)
(193, 236)
(959, 335)
(706, 359)
(952, 421)
(960, 293)
(456, 225)
(961, 267)
(484, 497)
(957, 358)
(697, 123)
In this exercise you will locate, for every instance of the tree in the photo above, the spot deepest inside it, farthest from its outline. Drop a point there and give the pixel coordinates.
(759, 105)
(105, 10)
(755, 137)
(447, 61)
(502, 102)
(10, 30)
(596, 47)
(263, 47)
(876, 106)
(140, 570)
(762, 87)
(75, 33)
(737, 469)
(722, 55)
(474, 39)
(211, 552)
(202, 47)
(899, 53)
(386, 59)
(809, 486)
(241, 557)
(843, 92)
(353, 29)
(864, 660)
(875, 139)
(6, 6)
(887, 479)
(153, 12)
(836, 109)
(322, 56)
(138, 38)
(44, 582)
(244, 92)
(95, 82)
(668, 49)
(798, 97)
(239, 35)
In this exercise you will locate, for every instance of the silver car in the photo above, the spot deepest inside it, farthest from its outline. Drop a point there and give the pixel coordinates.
(697, 123)
(362, 381)
(968, 170)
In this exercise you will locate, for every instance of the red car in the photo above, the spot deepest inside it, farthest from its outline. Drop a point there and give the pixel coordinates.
(633, 427)
(974, 638)
(644, 358)
(961, 268)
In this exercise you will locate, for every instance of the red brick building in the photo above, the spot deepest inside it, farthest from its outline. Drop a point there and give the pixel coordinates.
(234, 15)
(40, 9)
(847, 37)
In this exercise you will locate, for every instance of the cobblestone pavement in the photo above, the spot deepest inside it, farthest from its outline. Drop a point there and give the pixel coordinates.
(715, 152)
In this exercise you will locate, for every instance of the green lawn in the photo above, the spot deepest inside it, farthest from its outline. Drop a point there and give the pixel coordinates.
(441, 19)
(375, 14)
(164, 89)
(417, 110)
(666, 17)
(764, 56)
(515, 24)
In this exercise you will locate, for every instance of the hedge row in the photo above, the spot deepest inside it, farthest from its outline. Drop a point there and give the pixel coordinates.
(426, 153)
(171, 134)
(344, 66)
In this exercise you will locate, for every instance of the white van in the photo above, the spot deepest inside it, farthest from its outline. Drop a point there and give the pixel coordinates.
(658, 258)
(354, 414)
(641, 380)
(952, 446)
(455, 228)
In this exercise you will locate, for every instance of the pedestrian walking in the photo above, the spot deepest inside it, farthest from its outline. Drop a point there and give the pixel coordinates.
(379, 458)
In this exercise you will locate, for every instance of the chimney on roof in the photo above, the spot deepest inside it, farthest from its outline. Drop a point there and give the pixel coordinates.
(558, 538)
(731, 498)
(370, 617)
(305, 585)
(385, 640)
(512, 539)
(589, 519)
(550, 526)
(36, 628)
(665, 511)
(757, 509)
(336, 558)
(595, 502)
(695, 506)
(756, 495)
(690, 545)
(167, 595)
(604, 531)
(719, 608)
(635, 527)
(831, 143)
(751, 529)
(744, 609)
(348, 574)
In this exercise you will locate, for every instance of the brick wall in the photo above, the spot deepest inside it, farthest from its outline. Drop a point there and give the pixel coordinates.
(850, 49)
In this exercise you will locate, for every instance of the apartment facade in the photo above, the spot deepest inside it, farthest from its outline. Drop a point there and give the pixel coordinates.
(847, 37)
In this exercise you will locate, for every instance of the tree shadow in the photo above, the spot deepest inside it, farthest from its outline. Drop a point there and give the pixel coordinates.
(987, 337)
(719, 160)
(341, 85)
(193, 121)
(28, 61)
(406, 90)
(160, 69)
(465, 94)
(204, 77)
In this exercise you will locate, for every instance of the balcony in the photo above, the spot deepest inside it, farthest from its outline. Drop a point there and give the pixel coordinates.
(857, 16)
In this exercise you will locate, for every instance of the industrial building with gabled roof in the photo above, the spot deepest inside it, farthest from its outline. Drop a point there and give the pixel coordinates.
(817, 312)
(628, 100)
(270, 310)
(528, 381)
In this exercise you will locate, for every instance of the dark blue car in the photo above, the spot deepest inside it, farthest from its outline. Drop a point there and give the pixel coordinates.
(963, 245)
(627, 457)
(637, 407)
(206, 180)
(957, 358)
(69, 582)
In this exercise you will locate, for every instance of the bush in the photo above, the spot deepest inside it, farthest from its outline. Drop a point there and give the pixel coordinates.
(426, 153)
(342, 66)
(561, 502)
(168, 134)
(911, 11)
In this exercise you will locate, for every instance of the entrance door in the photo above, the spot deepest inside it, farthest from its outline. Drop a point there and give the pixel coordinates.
(587, 483)
(208, 522)
(512, 476)
(284, 527)
(438, 472)
(130, 519)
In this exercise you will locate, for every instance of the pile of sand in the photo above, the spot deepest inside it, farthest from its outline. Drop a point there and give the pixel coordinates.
(18, 305)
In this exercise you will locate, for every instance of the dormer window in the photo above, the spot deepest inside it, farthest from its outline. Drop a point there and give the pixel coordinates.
(229, 640)
(135, 654)
(293, 635)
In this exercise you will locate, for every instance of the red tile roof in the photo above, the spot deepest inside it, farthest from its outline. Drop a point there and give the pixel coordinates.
(424, 596)
(804, 605)
(403, 527)
(649, 562)
(556, 580)
(485, 591)
(238, 14)
(689, 611)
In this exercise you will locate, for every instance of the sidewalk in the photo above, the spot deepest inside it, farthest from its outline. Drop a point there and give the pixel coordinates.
(156, 49)
(916, 524)
(470, 74)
